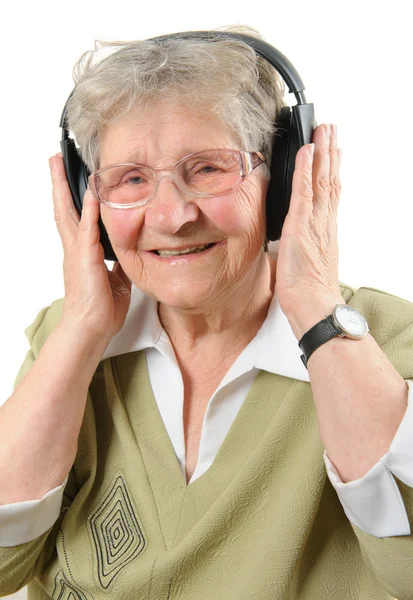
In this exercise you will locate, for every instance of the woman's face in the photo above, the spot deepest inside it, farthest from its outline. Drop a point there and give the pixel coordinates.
(235, 222)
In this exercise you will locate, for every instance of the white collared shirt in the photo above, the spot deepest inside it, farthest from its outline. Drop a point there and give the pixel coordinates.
(373, 503)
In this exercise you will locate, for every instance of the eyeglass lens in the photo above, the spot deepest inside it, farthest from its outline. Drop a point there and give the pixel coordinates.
(209, 173)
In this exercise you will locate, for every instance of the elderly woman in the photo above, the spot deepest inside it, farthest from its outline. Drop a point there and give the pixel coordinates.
(200, 459)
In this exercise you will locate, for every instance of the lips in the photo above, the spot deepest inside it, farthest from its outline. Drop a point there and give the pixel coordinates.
(183, 251)
(181, 248)
(185, 257)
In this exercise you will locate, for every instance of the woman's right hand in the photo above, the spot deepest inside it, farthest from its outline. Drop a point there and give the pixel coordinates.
(96, 299)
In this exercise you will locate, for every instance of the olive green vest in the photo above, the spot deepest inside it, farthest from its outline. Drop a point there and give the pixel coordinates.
(262, 523)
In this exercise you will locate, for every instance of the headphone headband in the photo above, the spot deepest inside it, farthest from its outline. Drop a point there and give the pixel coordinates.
(276, 58)
(295, 126)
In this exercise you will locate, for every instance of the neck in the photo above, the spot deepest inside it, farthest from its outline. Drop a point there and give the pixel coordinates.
(228, 322)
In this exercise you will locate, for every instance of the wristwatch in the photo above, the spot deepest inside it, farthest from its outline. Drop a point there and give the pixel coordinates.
(345, 321)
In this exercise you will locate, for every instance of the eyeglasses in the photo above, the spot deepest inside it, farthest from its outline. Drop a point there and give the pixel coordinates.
(202, 174)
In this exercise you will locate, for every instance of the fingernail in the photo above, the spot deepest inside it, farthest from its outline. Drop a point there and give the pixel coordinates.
(311, 150)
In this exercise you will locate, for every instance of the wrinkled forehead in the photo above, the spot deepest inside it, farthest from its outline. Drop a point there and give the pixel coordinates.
(161, 134)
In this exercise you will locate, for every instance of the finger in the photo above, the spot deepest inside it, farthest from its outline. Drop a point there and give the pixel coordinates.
(326, 183)
(65, 213)
(301, 203)
(89, 233)
(335, 161)
(321, 169)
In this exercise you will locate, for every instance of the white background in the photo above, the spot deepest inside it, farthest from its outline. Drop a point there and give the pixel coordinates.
(354, 59)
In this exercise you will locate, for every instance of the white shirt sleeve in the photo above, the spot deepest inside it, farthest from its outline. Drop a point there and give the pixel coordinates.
(374, 503)
(22, 522)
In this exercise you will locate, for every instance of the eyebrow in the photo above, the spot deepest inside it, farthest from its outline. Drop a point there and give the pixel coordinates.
(135, 156)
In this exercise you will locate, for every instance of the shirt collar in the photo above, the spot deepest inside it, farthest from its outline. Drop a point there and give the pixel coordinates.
(274, 349)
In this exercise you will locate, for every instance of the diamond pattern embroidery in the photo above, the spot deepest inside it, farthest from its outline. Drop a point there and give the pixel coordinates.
(117, 536)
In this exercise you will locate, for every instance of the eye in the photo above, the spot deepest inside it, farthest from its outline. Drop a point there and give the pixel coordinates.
(133, 178)
(203, 169)
(207, 169)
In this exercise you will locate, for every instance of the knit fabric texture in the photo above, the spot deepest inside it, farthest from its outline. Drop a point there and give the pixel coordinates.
(263, 522)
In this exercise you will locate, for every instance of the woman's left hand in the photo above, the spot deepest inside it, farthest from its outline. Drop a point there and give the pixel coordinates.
(307, 265)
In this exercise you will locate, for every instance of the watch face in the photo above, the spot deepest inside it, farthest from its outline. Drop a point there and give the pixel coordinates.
(351, 321)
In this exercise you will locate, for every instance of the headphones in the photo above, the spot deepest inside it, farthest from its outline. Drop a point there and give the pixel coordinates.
(295, 129)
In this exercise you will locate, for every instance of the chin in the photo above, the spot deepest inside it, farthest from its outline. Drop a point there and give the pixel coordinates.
(184, 299)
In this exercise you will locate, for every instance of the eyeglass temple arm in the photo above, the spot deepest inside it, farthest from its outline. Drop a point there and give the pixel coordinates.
(251, 160)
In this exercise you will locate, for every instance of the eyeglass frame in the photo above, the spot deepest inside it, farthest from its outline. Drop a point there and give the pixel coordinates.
(246, 161)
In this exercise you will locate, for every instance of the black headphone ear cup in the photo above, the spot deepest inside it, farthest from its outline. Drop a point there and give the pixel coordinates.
(277, 200)
(77, 175)
(296, 125)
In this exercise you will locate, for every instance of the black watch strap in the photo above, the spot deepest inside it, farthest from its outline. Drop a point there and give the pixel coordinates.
(318, 335)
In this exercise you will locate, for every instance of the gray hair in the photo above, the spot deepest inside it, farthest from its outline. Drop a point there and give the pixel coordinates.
(219, 76)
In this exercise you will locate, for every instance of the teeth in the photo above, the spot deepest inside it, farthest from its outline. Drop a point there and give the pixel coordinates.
(186, 251)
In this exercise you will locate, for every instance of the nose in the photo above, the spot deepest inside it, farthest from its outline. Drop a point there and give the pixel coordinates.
(169, 209)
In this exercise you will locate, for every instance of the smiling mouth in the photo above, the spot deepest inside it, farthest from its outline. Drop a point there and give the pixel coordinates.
(191, 250)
